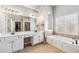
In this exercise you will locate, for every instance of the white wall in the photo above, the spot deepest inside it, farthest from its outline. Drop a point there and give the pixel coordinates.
(46, 11)
(62, 10)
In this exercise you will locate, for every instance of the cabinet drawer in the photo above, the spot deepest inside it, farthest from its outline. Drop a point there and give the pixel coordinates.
(30, 35)
(20, 37)
(26, 35)
(11, 38)
(8, 47)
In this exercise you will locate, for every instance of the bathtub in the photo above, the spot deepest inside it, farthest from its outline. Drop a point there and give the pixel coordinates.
(63, 43)
(61, 38)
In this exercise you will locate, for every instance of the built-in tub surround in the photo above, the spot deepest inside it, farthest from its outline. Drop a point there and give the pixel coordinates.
(67, 35)
(63, 43)
(61, 38)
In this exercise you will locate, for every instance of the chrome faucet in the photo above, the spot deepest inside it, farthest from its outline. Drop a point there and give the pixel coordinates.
(76, 42)
(12, 32)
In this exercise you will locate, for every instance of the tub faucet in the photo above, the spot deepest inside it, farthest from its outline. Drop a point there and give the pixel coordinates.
(76, 42)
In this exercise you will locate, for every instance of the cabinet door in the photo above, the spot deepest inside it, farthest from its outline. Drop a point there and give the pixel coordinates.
(1, 45)
(18, 44)
(35, 39)
(41, 38)
(8, 46)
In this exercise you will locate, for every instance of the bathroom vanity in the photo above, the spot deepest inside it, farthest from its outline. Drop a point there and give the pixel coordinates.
(14, 29)
(15, 42)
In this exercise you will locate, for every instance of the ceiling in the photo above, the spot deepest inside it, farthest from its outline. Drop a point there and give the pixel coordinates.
(27, 9)
(35, 7)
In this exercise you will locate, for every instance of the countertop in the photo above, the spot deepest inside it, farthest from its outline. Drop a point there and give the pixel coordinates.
(17, 34)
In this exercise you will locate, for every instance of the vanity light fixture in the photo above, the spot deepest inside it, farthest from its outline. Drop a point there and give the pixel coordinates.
(12, 11)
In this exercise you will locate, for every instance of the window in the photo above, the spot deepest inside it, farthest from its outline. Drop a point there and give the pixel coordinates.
(60, 25)
(72, 24)
(50, 22)
(67, 24)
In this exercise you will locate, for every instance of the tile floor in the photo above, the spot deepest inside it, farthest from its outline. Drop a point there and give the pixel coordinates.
(40, 48)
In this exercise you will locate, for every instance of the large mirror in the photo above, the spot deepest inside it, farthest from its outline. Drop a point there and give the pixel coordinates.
(17, 23)
(27, 26)
(33, 24)
(17, 26)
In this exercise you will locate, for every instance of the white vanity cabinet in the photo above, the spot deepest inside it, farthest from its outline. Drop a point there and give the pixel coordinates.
(13, 44)
(18, 44)
(35, 39)
(8, 44)
(38, 38)
(1, 44)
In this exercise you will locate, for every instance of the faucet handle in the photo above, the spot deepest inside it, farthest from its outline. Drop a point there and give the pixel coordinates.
(72, 42)
(76, 41)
